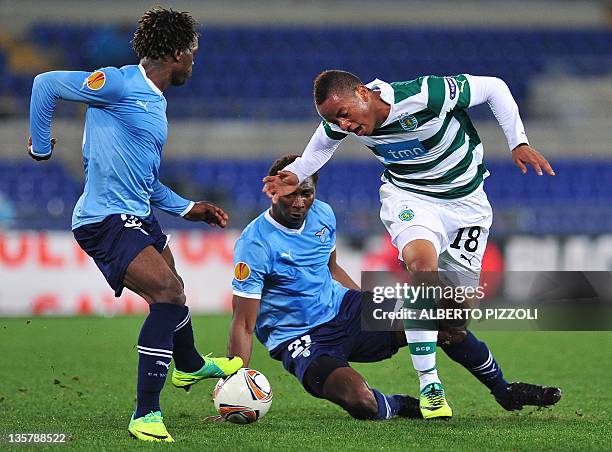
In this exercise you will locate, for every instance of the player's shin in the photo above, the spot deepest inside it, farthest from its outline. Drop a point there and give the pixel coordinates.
(186, 356)
(422, 345)
(422, 336)
(476, 357)
(154, 355)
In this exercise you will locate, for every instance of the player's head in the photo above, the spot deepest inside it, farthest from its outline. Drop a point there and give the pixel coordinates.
(291, 210)
(342, 99)
(170, 37)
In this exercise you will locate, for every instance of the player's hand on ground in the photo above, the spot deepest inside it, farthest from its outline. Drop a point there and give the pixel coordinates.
(37, 157)
(524, 155)
(207, 212)
(284, 183)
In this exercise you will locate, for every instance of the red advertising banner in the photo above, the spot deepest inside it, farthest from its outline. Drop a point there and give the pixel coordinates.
(46, 273)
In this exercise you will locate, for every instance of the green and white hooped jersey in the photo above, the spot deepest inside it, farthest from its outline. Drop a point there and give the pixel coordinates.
(428, 144)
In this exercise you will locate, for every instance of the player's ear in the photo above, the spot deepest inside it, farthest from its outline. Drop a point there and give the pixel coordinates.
(363, 92)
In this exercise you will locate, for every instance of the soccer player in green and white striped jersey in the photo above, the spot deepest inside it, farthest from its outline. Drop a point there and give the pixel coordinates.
(433, 203)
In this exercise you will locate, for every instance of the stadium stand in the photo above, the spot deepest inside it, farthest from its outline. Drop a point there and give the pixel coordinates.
(577, 200)
(250, 72)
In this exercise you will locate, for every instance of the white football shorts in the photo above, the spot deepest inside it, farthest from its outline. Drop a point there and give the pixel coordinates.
(457, 228)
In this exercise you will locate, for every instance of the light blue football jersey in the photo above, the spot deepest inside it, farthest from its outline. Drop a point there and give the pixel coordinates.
(287, 269)
(125, 131)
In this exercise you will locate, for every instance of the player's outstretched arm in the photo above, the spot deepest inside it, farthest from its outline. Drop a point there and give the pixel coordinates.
(240, 341)
(102, 87)
(524, 155)
(167, 200)
(339, 274)
(497, 95)
(318, 151)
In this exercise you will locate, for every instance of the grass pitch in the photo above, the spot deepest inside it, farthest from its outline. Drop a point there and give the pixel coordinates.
(77, 376)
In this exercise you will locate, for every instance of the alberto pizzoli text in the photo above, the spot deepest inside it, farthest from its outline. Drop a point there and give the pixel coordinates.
(457, 314)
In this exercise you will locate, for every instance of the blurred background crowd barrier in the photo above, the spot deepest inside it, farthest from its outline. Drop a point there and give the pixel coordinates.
(250, 101)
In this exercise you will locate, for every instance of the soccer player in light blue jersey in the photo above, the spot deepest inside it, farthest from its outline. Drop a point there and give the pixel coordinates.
(305, 308)
(289, 289)
(125, 131)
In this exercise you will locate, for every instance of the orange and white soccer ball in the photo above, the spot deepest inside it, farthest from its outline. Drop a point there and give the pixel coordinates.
(244, 397)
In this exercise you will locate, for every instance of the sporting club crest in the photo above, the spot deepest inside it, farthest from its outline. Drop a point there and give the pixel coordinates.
(406, 215)
(408, 122)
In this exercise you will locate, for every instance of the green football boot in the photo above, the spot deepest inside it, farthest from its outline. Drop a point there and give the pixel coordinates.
(433, 402)
(212, 368)
(150, 428)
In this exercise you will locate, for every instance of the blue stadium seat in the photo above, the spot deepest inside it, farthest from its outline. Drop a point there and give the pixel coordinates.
(577, 200)
(250, 71)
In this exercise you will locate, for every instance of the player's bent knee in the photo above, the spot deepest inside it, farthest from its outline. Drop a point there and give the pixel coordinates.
(170, 290)
(420, 256)
(421, 262)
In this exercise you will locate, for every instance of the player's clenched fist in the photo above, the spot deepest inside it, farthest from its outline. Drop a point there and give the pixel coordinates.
(40, 157)
(284, 183)
(207, 212)
(524, 155)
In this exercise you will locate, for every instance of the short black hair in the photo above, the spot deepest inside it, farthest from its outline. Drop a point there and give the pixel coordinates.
(164, 32)
(285, 160)
(334, 81)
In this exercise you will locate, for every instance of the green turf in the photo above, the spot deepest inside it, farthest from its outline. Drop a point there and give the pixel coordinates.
(78, 376)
